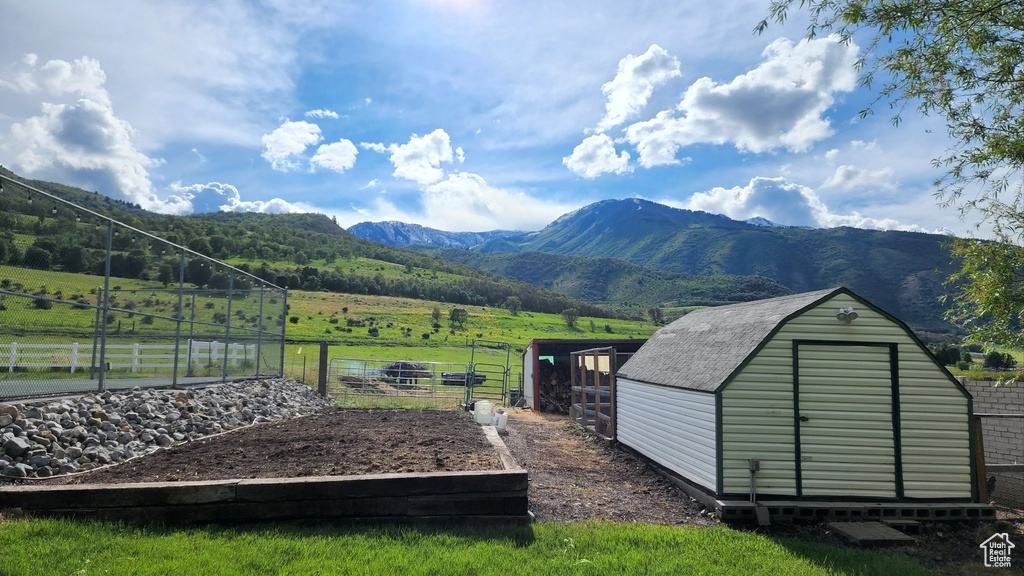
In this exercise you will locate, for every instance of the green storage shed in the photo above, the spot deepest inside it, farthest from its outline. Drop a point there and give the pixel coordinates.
(830, 397)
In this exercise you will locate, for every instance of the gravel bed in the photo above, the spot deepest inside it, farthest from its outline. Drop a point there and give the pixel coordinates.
(62, 436)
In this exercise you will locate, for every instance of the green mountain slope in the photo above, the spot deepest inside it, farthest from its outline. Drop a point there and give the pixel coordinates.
(610, 281)
(902, 272)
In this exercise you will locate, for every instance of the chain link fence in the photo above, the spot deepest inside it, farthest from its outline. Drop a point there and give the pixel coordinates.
(89, 303)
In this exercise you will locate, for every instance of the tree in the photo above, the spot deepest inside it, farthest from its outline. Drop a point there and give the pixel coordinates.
(656, 314)
(197, 272)
(988, 293)
(36, 257)
(435, 315)
(570, 315)
(457, 317)
(73, 258)
(954, 58)
(960, 60)
(999, 361)
(218, 281)
(514, 304)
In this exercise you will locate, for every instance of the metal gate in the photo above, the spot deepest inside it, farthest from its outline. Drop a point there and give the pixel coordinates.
(361, 383)
(490, 379)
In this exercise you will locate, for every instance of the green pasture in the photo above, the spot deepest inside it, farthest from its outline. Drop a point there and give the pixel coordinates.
(315, 310)
(21, 318)
(69, 548)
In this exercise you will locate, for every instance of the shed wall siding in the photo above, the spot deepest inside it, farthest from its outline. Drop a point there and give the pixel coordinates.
(672, 426)
(758, 420)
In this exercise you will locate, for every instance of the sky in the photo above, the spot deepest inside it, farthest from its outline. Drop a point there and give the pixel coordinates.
(461, 115)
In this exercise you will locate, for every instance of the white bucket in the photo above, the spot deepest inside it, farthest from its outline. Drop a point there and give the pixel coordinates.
(482, 412)
(501, 422)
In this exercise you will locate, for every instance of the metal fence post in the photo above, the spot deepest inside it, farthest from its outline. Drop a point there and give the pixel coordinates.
(284, 324)
(181, 314)
(259, 332)
(227, 325)
(96, 333)
(106, 307)
(191, 332)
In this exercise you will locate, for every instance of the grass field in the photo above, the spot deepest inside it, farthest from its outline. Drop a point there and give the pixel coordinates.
(70, 548)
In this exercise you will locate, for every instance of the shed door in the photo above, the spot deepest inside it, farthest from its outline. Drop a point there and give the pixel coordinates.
(845, 431)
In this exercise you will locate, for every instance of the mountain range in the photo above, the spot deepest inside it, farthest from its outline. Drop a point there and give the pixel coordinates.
(400, 235)
(901, 272)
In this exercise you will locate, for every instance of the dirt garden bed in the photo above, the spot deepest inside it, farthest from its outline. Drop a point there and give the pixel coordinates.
(336, 442)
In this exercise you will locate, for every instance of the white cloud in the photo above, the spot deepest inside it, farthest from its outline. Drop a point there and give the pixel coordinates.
(198, 154)
(82, 141)
(849, 177)
(288, 142)
(634, 83)
(460, 155)
(779, 104)
(371, 184)
(466, 202)
(595, 156)
(83, 78)
(321, 113)
(786, 203)
(420, 159)
(337, 156)
(218, 197)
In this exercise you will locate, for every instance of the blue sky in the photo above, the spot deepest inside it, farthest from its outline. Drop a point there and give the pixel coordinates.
(463, 115)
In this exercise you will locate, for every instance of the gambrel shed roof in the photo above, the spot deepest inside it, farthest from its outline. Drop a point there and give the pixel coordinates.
(703, 349)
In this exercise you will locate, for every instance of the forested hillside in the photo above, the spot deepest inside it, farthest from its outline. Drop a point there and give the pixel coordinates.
(308, 251)
(614, 282)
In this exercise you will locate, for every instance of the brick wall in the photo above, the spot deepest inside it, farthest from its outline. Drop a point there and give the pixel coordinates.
(1003, 437)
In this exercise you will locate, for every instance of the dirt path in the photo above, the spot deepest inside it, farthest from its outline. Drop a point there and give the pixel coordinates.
(574, 478)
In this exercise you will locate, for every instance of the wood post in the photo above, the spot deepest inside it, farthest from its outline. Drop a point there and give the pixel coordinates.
(321, 381)
(979, 461)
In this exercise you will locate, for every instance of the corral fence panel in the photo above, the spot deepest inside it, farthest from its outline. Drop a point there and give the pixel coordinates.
(592, 394)
(362, 383)
(90, 303)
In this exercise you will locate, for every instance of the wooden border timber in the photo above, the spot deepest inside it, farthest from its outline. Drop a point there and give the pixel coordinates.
(433, 496)
(446, 497)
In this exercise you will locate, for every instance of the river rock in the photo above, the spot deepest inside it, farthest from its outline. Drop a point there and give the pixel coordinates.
(17, 446)
(18, 470)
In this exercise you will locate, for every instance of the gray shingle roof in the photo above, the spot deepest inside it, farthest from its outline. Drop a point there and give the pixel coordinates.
(700, 350)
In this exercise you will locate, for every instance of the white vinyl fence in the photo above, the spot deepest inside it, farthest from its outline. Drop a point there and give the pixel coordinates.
(77, 356)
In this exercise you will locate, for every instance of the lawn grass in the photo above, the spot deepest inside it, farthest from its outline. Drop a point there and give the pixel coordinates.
(64, 548)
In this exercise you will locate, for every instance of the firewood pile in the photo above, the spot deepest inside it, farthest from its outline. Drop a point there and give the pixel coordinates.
(553, 388)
